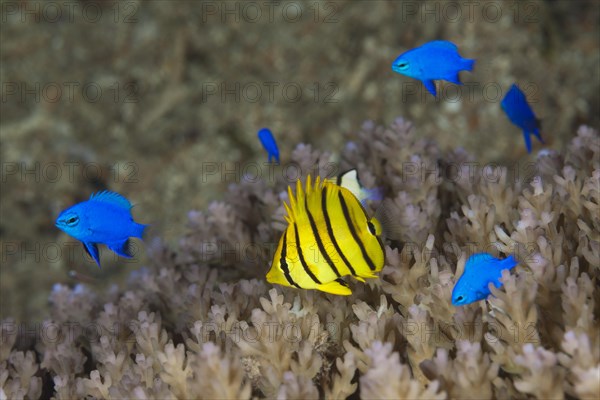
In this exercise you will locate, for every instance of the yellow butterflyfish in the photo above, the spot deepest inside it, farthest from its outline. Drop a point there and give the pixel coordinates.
(328, 236)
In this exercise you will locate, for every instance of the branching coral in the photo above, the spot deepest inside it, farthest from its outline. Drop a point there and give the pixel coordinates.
(201, 322)
(387, 378)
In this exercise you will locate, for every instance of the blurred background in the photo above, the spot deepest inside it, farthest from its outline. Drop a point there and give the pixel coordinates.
(161, 102)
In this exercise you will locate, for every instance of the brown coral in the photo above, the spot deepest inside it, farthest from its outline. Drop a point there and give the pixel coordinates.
(201, 322)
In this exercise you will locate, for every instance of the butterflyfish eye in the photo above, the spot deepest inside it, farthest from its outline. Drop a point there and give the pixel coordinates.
(371, 227)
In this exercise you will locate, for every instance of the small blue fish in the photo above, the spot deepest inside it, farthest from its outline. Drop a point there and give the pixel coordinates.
(480, 270)
(268, 142)
(104, 218)
(516, 107)
(432, 61)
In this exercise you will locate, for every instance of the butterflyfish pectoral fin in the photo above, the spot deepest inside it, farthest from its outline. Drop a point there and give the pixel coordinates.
(92, 250)
(336, 287)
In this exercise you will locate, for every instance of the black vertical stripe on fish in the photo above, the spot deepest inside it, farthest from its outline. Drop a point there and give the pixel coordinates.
(284, 266)
(330, 231)
(341, 282)
(301, 257)
(353, 232)
(320, 245)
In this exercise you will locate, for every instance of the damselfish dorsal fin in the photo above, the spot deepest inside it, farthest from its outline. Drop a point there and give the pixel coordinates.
(477, 259)
(441, 44)
(106, 196)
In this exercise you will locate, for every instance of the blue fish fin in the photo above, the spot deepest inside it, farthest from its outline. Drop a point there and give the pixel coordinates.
(509, 262)
(123, 249)
(467, 64)
(527, 140)
(375, 194)
(106, 196)
(441, 44)
(92, 250)
(536, 132)
(138, 230)
(430, 85)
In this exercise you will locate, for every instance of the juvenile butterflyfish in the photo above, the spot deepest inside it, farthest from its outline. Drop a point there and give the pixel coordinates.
(329, 236)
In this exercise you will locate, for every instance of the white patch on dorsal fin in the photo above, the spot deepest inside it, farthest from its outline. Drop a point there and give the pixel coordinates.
(349, 180)
(111, 197)
(442, 44)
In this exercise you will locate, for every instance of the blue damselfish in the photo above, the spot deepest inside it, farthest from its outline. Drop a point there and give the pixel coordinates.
(104, 218)
(432, 61)
(480, 270)
(516, 107)
(268, 141)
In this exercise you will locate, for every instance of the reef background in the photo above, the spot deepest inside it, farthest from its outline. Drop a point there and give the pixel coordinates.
(156, 131)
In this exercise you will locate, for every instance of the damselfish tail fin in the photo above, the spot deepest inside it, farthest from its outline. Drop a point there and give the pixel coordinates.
(138, 230)
(468, 64)
(509, 262)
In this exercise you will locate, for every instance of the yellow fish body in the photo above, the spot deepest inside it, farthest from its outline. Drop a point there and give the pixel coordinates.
(329, 236)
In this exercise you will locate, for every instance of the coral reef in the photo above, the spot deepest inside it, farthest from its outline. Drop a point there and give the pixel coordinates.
(201, 322)
(165, 91)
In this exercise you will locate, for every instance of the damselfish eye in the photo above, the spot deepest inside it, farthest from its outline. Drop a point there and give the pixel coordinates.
(402, 65)
(72, 220)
